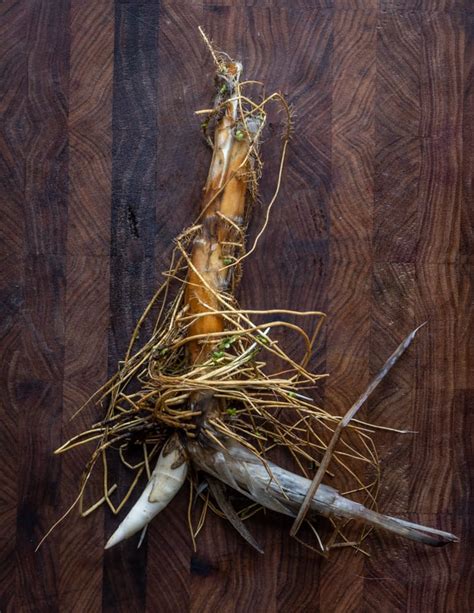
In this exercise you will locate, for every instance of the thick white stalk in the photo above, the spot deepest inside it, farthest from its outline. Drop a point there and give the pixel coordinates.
(165, 482)
(283, 491)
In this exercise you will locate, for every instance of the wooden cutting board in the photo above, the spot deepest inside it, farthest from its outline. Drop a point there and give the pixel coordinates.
(103, 164)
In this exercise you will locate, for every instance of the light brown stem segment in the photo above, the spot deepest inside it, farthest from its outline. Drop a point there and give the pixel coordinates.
(211, 256)
(221, 220)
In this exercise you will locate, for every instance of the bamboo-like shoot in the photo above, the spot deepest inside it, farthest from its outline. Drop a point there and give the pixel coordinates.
(283, 491)
(165, 482)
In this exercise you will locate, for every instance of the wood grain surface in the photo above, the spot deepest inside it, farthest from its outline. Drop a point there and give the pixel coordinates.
(102, 164)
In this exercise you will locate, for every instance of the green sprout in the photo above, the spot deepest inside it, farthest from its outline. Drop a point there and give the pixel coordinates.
(217, 355)
(226, 343)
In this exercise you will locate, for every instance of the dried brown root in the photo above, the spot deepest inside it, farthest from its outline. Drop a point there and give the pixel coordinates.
(217, 490)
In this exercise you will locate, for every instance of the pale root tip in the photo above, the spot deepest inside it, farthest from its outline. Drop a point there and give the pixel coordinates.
(125, 530)
(165, 482)
(113, 540)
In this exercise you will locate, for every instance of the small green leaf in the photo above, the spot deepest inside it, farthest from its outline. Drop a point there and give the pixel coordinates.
(226, 343)
(217, 355)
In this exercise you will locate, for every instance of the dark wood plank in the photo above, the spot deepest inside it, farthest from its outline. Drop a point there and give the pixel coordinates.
(386, 572)
(87, 286)
(427, 6)
(134, 228)
(13, 22)
(395, 238)
(441, 130)
(397, 133)
(85, 369)
(46, 146)
(12, 301)
(40, 137)
(350, 253)
(14, 126)
(437, 276)
(38, 401)
(437, 493)
(90, 127)
(467, 211)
